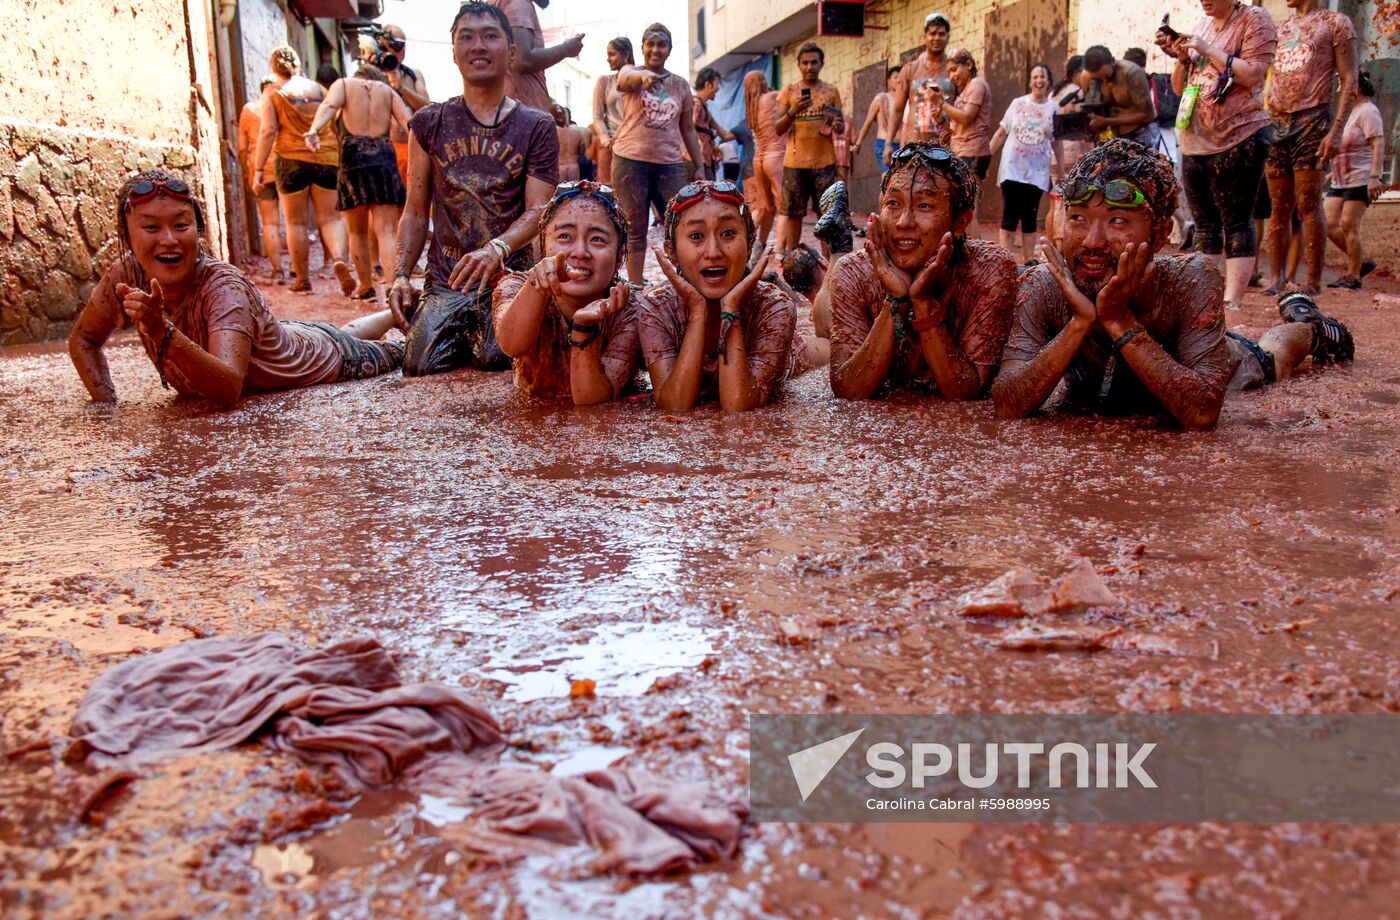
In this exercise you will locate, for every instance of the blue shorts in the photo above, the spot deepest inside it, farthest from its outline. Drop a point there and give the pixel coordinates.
(880, 143)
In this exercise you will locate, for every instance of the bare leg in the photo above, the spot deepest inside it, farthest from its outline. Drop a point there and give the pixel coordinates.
(1332, 212)
(334, 236)
(384, 221)
(371, 326)
(271, 234)
(1295, 250)
(636, 265)
(816, 352)
(1006, 239)
(357, 223)
(1309, 186)
(294, 213)
(1027, 246)
(1237, 273)
(1280, 229)
(1259, 227)
(771, 173)
(1289, 343)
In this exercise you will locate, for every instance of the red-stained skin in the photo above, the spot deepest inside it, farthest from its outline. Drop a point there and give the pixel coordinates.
(712, 246)
(915, 213)
(583, 238)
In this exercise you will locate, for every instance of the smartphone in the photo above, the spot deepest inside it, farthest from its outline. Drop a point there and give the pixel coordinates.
(1166, 28)
(807, 93)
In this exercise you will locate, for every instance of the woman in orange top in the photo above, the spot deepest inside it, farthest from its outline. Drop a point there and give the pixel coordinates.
(286, 117)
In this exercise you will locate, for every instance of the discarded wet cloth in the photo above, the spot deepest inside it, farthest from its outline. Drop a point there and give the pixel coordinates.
(342, 707)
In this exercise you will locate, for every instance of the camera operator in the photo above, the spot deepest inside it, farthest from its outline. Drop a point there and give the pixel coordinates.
(406, 81)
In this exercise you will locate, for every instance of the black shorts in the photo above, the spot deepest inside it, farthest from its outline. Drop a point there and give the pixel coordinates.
(1359, 193)
(979, 165)
(1297, 137)
(803, 185)
(266, 193)
(1020, 205)
(1263, 203)
(298, 175)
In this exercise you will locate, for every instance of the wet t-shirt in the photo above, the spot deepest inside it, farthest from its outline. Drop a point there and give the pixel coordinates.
(1353, 166)
(1180, 309)
(545, 371)
(1249, 34)
(1030, 129)
(769, 321)
(607, 103)
(975, 139)
(981, 299)
(924, 121)
(700, 117)
(528, 88)
(479, 174)
(651, 121)
(293, 123)
(1306, 60)
(809, 143)
(283, 356)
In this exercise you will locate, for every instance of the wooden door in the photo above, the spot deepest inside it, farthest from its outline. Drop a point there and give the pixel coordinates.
(865, 174)
(1019, 36)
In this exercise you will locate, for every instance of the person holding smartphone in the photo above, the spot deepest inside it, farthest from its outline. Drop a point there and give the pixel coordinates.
(810, 113)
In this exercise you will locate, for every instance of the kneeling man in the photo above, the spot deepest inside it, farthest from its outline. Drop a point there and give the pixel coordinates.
(923, 307)
(1130, 333)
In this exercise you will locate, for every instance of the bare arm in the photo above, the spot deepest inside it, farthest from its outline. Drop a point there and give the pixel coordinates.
(518, 322)
(532, 56)
(692, 143)
(85, 342)
(675, 382)
(634, 79)
(475, 269)
(266, 135)
(1191, 399)
(600, 108)
(413, 92)
(413, 229)
(960, 115)
(589, 381)
(399, 111)
(1346, 98)
(1023, 386)
(998, 138)
(872, 115)
(897, 106)
(860, 375)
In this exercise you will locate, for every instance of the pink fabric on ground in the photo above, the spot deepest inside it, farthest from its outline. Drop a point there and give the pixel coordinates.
(342, 707)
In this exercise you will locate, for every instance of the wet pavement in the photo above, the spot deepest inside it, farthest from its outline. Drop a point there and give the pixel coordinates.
(806, 557)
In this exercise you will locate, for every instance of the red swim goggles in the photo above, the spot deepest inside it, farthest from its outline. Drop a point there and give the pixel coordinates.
(144, 189)
(695, 192)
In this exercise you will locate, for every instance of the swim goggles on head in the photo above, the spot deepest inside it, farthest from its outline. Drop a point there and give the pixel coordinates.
(143, 189)
(720, 190)
(932, 155)
(1117, 193)
(573, 189)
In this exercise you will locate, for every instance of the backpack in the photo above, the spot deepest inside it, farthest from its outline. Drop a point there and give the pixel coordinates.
(1168, 101)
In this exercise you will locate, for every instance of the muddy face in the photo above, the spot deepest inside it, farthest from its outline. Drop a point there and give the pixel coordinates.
(960, 74)
(1096, 234)
(582, 237)
(810, 64)
(481, 49)
(656, 48)
(712, 245)
(914, 214)
(165, 239)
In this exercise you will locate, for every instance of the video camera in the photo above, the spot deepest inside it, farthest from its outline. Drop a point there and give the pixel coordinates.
(388, 49)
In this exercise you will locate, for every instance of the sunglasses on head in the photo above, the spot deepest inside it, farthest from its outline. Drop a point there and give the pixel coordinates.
(395, 43)
(574, 188)
(143, 189)
(1117, 193)
(721, 190)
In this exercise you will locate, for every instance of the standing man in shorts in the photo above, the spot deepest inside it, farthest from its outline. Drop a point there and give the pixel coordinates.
(485, 166)
(925, 75)
(1313, 45)
(809, 112)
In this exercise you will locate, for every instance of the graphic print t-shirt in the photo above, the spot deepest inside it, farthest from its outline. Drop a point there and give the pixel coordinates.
(479, 174)
(651, 121)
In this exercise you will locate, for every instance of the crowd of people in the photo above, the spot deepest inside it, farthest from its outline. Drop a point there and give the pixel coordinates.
(537, 253)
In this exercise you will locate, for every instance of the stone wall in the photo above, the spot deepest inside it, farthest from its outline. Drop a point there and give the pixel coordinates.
(58, 230)
(91, 92)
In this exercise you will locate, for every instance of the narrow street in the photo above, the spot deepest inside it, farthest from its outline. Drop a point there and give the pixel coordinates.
(804, 557)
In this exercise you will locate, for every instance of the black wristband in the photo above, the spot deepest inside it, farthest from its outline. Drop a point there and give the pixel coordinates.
(1132, 333)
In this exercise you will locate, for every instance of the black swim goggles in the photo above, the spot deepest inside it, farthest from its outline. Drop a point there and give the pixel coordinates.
(573, 189)
(934, 156)
(1117, 193)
